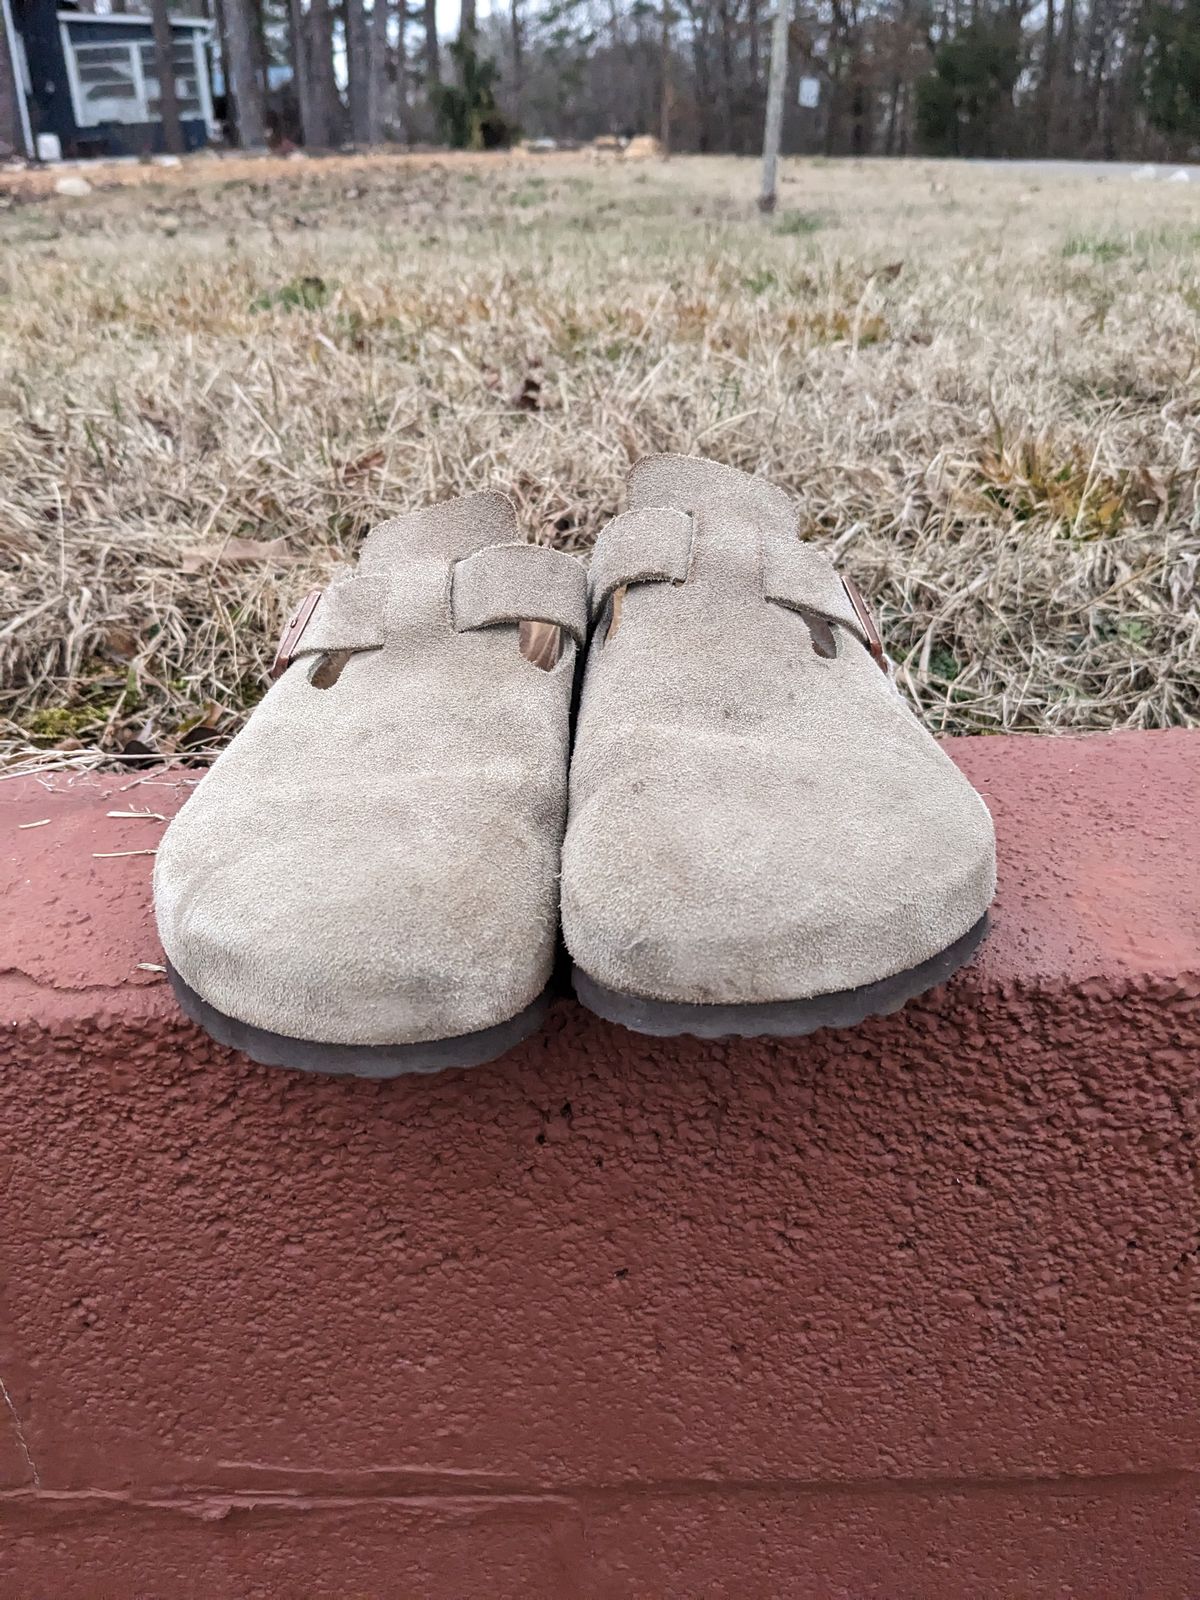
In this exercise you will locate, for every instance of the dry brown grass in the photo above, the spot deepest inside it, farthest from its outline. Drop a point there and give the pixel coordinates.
(982, 386)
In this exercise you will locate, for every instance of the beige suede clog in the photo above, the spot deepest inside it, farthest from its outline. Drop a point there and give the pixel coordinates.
(367, 880)
(762, 838)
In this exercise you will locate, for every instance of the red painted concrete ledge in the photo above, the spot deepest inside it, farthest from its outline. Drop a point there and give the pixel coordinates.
(906, 1312)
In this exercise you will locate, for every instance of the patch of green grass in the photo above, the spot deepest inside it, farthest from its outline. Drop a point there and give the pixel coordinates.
(943, 664)
(53, 723)
(301, 294)
(532, 194)
(760, 281)
(1095, 246)
(795, 224)
(1134, 630)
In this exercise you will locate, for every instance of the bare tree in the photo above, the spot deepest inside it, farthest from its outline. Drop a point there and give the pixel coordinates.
(402, 67)
(379, 90)
(725, 79)
(262, 50)
(241, 77)
(664, 108)
(433, 64)
(517, 35)
(164, 66)
(988, 77)
(301, 77)
(12, 133)
(358, 65)
(327, 106)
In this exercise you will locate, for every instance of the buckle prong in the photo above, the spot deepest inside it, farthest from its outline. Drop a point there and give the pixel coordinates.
(866, 621)
(293, 632)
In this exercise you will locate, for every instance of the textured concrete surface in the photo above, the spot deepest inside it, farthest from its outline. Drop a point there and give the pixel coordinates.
(911, 1311)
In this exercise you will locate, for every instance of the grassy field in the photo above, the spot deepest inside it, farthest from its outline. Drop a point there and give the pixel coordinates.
(981, 385)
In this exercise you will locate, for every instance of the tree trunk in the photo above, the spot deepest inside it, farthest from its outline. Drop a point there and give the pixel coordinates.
(12, 127)
(664, 106)
(262, 51)
(466, 24)
(517, 31)
(1065, 97)
(726, 88)
(358, 67)
(301, 77)
(164, 66)
(241, 80)
(380, 97)
(889, 143)
(833, 110)
(216, 9)
(1047, 86)
(327, 108)
(704, 96)
(402, 75)
(433, 60)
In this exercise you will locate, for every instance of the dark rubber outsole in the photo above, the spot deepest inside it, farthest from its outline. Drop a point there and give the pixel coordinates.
(778, 1019)
(359, 1060)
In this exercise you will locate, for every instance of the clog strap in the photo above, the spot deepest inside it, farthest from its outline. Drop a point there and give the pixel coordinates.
(348, 615)
(798, 576)
(508, 583)
(505, 583)
(650, 546)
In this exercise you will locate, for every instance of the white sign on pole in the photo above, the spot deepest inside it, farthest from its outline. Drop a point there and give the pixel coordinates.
(809, 95)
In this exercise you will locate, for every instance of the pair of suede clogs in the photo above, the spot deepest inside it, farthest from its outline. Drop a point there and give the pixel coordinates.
(742, 827)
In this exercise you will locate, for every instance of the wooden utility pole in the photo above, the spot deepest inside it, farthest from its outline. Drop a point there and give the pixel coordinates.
(776, 83)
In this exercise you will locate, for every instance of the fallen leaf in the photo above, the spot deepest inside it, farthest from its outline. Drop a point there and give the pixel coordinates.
(197, 737)
(140, 750)
(200, 730)
(120, 643)
(364, 464)
(237, 552)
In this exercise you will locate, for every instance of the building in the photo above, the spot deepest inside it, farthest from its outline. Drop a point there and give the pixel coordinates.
(93, 81)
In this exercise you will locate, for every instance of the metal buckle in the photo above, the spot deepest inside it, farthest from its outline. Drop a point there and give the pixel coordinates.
(866, 620)
(293, 631)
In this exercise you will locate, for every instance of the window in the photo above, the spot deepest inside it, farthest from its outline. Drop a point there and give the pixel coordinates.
(109, 87)
(117, 82)
(187, 86)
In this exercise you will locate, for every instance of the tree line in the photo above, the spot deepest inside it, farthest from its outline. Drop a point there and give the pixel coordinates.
(1102, 79)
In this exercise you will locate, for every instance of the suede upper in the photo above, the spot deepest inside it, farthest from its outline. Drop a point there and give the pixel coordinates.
(755, 813)
(376, 861)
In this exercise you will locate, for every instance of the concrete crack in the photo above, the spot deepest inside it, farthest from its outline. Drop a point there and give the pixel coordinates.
(22, 1442)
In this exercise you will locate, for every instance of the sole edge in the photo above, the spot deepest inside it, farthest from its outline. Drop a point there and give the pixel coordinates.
(359, 1060)
(778, 1019)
